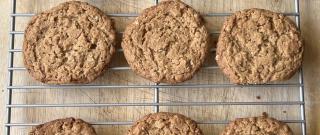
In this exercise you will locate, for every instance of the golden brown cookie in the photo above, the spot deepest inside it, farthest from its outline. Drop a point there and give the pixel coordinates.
(67, 126)
(70, 43)
(257, 126)
(167, 43)
(165, 123)
(258, 46)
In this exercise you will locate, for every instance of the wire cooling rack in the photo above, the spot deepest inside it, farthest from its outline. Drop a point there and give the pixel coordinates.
(156, 88)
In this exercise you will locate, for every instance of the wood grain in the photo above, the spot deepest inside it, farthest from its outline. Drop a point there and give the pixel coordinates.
(310, 30)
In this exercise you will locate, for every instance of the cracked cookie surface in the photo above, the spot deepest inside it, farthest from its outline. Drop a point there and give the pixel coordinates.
(257, 126)
(166, 43)
(257, 46)
(67, 126)
(164, 123)
(70, 43)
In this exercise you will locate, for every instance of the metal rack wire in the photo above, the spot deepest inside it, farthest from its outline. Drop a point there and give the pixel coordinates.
(155, 87)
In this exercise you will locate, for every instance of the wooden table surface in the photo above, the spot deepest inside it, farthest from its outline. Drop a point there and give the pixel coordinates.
(310, 17)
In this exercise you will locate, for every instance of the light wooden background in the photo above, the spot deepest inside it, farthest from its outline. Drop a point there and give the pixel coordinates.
(310, 30)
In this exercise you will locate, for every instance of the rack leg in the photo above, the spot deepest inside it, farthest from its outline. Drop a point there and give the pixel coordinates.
(156, 90)
(301, 88)
(10, 73)
(156, 99)
(302, 106)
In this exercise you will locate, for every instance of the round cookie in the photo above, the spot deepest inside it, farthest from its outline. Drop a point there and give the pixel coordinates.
(167, 43)
(257, 46)
(67, 126)
(164, 123)
(70, 43)
(257, 126)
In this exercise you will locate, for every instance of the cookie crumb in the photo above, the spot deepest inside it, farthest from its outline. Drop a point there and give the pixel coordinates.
(258, 97)
(265, 114)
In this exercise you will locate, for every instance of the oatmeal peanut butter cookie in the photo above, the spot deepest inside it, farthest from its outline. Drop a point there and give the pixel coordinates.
(68, 126)
(257, 126)
(165, 123)
(258, 46)
(70, 43)
(167, 43)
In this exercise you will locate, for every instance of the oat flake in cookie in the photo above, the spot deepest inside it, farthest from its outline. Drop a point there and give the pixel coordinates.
(166, 43)
(70, 43)
(257, 46)
(257, 126)
(67, 126)
(164, 123)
